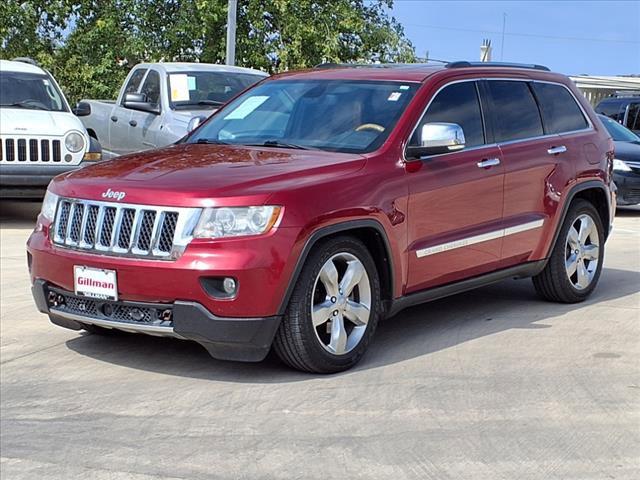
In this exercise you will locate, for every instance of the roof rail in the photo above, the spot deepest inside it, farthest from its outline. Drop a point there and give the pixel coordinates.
(28, 60)
(372, 65)
(464, 64)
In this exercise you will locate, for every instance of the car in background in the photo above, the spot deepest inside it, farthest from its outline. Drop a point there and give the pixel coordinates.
(159, 103)
(40, 137)
(626, 165)
(624, 108)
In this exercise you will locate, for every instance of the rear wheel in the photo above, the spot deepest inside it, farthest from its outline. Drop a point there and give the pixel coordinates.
(334, 309)
(574, 267)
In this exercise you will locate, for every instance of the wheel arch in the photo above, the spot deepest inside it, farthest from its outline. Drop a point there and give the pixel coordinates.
(596, 193)
(371, 233)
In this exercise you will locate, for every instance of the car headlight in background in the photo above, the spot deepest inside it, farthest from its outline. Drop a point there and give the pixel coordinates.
(74, 142)
(236, 221)
(620, 166)
(49, 203)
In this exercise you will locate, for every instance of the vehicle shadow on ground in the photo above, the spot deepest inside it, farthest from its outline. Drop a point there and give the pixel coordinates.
(416, 332)
(19, 213)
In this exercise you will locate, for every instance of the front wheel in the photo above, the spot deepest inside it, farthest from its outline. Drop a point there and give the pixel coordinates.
(574, 267)
(334, 309)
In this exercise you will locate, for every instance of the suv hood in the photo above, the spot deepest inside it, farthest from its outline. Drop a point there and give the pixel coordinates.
(629, 151)
(205, 175)
(22, 121)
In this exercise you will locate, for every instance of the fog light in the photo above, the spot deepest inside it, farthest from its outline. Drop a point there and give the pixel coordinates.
(68, 157)
(51, 298)
(166, 315)
(229, 285)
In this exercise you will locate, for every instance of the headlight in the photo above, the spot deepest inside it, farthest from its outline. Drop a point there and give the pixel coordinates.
(620, 166)
(49, 205)
(74, 142)
(236, 221)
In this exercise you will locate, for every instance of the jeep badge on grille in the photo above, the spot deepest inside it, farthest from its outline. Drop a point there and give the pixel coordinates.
(115, 195)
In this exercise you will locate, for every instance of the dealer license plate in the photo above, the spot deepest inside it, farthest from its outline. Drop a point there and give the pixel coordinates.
(95, 282)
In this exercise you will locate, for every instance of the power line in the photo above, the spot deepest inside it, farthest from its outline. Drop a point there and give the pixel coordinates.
(532, 35)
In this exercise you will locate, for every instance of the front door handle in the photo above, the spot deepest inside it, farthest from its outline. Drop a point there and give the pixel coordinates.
(488, 162)
(114, 118)
(133, 123)
(557, 150)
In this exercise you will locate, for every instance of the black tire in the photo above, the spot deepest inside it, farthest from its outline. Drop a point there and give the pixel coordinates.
(296, 342)
(553, 283)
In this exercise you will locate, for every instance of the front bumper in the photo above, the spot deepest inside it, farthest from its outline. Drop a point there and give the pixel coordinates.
(30, 181)
(628, 184)
(240, 339)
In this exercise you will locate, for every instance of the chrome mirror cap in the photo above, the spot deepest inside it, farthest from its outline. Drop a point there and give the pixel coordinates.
(442, 135)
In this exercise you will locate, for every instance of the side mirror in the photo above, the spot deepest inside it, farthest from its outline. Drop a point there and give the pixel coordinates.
(437, 138)
(82, 109)
(138, 101)
(195, 123)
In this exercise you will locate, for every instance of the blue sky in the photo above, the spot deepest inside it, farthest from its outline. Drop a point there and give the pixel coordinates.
(571, 37)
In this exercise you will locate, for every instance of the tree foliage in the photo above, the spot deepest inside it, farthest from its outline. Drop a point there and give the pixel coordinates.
(89, 46)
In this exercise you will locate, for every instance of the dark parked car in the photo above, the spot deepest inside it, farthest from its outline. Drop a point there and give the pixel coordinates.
(626, 166)
(624, 110)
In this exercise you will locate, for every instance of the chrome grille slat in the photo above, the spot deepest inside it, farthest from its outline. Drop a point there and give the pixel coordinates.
(110, 228)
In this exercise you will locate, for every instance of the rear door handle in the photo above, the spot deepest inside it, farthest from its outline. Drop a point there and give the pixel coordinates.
(114, 118)
(133, 123)
(557, 150)
(488, 162)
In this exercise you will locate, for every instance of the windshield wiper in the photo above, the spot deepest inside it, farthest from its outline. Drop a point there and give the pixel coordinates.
(211, 141)
(277, 144)
(213, 103)
(27, 105)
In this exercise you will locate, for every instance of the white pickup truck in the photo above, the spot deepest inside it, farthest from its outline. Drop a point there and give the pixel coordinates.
(159, 103)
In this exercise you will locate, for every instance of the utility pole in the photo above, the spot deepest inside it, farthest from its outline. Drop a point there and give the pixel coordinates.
(231, 32)
(504, 21)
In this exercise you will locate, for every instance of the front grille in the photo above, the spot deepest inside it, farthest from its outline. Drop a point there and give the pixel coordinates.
(28, 150)
(123, 229)
(123, 312)
(632, 195)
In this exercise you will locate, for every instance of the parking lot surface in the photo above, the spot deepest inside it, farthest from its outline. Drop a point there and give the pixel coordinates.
(491, 384)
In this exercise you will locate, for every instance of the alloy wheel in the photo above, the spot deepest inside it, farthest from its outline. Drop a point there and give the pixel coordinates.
(582, 252)
(341, 303)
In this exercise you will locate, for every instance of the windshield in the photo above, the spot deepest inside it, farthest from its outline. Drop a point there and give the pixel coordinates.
(334, 115)
(617, 131)
(31, 91)
(202, 89)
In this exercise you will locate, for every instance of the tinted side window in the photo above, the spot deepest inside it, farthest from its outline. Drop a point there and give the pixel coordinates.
(151, 87)
(633, 117)
(560, 111)
(134, 81)
(515, 111)
(457, 103)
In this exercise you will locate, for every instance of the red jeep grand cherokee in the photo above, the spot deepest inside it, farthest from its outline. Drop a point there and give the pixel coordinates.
(317, 202)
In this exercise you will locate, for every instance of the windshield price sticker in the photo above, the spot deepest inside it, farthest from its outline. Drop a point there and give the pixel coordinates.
(246, 107)
(179, 87)
(394, 97)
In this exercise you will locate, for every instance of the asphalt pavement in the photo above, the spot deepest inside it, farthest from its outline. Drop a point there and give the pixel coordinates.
(491, 384)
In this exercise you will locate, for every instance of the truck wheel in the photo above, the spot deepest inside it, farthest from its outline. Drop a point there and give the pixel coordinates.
(574, 267)
(333, 310)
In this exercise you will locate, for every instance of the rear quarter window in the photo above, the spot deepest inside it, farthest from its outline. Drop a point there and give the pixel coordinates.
(560, 111)
(515, 111)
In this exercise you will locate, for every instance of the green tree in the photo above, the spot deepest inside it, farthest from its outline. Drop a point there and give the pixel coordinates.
(90, 45)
